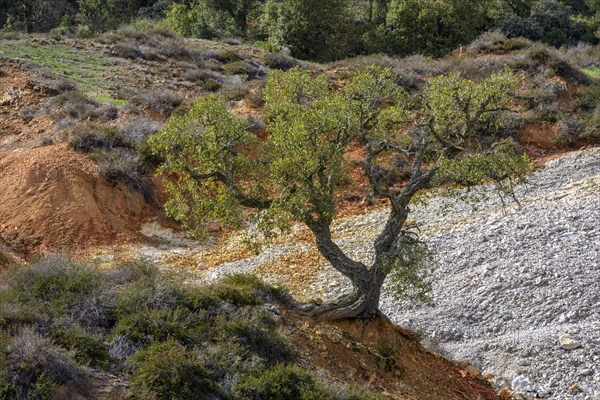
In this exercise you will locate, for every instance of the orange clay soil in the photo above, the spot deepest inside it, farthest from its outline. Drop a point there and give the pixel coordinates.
(53, 199)
(386, 358)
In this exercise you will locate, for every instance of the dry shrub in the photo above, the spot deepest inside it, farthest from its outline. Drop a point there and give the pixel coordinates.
(123, 167)
(280, 61)
(135, 131)
(89, 136)
(159, 100)
(35, 367)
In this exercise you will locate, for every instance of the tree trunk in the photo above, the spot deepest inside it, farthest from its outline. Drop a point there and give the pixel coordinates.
(367, 282)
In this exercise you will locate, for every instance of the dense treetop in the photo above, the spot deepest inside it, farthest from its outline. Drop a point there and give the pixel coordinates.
(323, 30)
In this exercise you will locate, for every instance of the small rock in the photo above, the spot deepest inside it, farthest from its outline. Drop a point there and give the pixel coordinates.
(473, 370)
(214, 227)
(505, 394)
(575, 388)
(521, 384)
(488, 376)
(568, 342)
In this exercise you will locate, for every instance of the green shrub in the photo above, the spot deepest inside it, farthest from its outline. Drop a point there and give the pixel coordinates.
(210, 80)
(146, 288)
(211, 85)
(543, 56)
(586, 99)
(55, 279)
(34, 368)
(254, 331)
(239, 290)
(175, 341)
(147, 156)
(57, 288)
(88, 349)
(151, 326)
(282, 382)
(169, 371)
(591, 127)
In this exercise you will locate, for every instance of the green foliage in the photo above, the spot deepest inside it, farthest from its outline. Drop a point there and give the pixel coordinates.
(149, 326)
(175, 341)
(55, 282)
(279, 383)
(250, 329)
(170, 371)
(455, 104)
(213, 18)
(102, 15)
(430, 27)
(410, 269)
(310, 127)
(207, 140)
(33, 15)
(34, 367)
(298, 167)
(88, 349)
(288, 382)
(311, 29)
(592, 72)
(550, 21)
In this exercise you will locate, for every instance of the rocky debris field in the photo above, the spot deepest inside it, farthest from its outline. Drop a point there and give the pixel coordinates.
(516, 291)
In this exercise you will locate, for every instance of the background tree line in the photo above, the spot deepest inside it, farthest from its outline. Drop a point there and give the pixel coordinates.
(325, 30)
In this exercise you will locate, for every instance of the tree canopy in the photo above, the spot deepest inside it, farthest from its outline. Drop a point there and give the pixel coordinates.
(449, 133)
(323, 30)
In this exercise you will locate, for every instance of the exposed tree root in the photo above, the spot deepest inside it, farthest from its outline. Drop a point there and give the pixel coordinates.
(349, 306)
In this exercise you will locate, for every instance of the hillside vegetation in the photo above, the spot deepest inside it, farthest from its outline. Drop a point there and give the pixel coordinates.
(72, 330)
(127, 83)
(85, 84)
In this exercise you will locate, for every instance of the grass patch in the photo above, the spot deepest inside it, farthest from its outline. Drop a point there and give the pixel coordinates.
(592, 72)
(83, 68)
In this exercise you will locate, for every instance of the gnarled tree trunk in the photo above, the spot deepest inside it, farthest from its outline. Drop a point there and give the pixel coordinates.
(363, 302)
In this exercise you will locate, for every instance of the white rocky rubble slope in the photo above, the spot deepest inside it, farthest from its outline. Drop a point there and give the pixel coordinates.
(517, 287)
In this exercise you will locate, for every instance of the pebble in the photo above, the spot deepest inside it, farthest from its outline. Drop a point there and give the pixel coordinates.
(568, 342)
(521, 384)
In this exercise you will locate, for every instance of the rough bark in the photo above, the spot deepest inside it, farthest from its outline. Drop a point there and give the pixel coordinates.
(366, 280)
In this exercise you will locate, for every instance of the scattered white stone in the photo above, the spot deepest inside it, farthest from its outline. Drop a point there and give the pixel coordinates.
(521, 384)
(568, 342)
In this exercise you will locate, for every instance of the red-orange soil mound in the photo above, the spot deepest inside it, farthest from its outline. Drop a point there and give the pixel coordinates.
(52, 198)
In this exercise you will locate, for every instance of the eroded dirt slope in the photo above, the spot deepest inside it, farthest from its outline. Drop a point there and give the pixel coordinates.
(54, 199)
(386, 358)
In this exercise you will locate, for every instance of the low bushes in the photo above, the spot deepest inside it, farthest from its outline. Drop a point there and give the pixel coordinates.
(119, 152)
(160, 101)
(59, 318)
